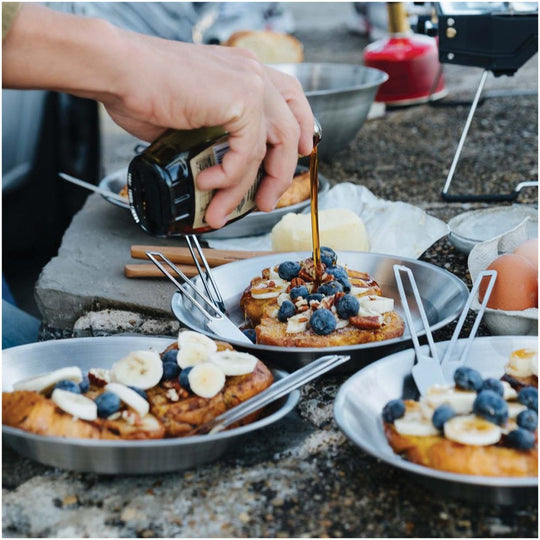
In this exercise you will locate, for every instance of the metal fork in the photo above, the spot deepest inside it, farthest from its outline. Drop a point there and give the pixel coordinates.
(215, 319)
(280, 388)
(427, 371)
(449, 366)
(207, 279)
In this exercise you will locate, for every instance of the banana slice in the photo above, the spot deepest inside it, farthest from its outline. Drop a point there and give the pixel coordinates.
(75, 404)
(509, 392)
(377, 304)
(142, 369)
(129, 397)
(298, 323)
(520, 361)
(460, 400)
(533, 366)
(414, 422)
(44, 383)
(234, 362)
(514, 408)
(206, 379)
(472, 430)
(194, 348)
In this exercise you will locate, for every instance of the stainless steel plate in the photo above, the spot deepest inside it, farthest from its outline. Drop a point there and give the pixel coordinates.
(443, 294)
(252, 224)
(360, 400)
(471, 228)
(114, 457)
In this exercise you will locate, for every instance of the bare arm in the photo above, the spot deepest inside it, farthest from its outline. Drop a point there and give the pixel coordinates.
(148, 84)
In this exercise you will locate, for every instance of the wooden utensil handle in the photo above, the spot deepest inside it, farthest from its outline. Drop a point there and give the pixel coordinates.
(152, 271)
(215, 257)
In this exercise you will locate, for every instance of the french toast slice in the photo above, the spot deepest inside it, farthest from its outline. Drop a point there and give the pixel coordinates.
(436, 452)
(272, 332)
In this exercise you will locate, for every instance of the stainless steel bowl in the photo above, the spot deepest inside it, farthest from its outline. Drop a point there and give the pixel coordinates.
(359, 402)
(340, 96)
(116, 457)
(443, 296)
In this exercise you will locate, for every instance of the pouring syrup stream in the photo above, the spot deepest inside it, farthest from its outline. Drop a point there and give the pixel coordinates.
(314, 195)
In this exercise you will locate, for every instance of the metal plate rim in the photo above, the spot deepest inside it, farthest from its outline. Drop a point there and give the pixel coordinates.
(401, 463)
(176, 301)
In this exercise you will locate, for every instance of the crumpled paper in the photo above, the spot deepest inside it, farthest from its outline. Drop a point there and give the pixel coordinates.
(394, 228)
(500, 322)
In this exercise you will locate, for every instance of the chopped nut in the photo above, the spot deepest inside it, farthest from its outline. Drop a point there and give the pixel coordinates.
(172, 395)
(366, 322)
(130, 417)
(301, 309)
(99, 376)
(297, 282)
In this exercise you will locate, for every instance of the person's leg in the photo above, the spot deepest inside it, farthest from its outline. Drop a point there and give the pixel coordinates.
(18, 327)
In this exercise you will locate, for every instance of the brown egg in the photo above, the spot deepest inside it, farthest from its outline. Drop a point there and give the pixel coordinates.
(529, 250)
(516, 287)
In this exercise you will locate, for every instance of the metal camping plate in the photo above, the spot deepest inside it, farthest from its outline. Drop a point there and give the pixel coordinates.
(443, 296)
(361, 398)
(115, 457)
(252, 224)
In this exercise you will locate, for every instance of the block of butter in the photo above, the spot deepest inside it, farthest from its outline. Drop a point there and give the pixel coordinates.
(339, 228)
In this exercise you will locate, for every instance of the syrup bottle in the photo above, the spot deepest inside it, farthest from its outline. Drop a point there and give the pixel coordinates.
(163, 196)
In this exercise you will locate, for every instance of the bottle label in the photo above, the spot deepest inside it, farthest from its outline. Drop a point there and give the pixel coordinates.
(213, 155)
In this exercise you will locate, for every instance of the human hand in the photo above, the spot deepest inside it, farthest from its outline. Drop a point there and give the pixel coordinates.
(264, 111)
(148, 84)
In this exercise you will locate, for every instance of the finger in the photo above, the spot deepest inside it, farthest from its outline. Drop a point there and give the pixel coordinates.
(291, 90)
(281, 156)
(229, 195)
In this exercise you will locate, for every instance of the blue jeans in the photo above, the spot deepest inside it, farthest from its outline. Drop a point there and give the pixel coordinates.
(18, 327)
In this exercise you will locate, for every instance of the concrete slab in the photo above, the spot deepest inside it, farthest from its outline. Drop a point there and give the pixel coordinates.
(87, 274)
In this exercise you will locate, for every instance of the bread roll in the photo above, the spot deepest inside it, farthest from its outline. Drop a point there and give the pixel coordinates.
(269, 47)
(339, 228)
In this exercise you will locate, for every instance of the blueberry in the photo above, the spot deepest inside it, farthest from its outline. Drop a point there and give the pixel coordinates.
(84, 385)
(170, 371)
(314, 297)
(528, 396)
(286, 310)
(493, 384)
(170, 356)
(442, 414)
(347, 306)
(295, 292)
(527, 420)
(393, 410)
(322, 322)
(183, 379)
(330, 288)
(337, 272)
(467, 378)
(491, 406)
(288, 270)
(251, 334)
(107, 404)
(346, 284)
(69, 386)
(139, 391)
(520, 438)
(328, 256)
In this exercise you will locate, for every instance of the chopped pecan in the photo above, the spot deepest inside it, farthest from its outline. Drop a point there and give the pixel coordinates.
(99, 377)
(366, 322)
(302, 308)
(297, 282)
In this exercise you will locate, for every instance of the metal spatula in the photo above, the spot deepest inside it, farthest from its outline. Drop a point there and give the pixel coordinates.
(427, 370)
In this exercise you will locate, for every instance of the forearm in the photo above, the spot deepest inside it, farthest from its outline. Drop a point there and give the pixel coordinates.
(50, 50)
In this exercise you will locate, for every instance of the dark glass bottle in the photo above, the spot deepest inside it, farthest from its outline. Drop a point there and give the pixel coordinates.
(163, 196)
